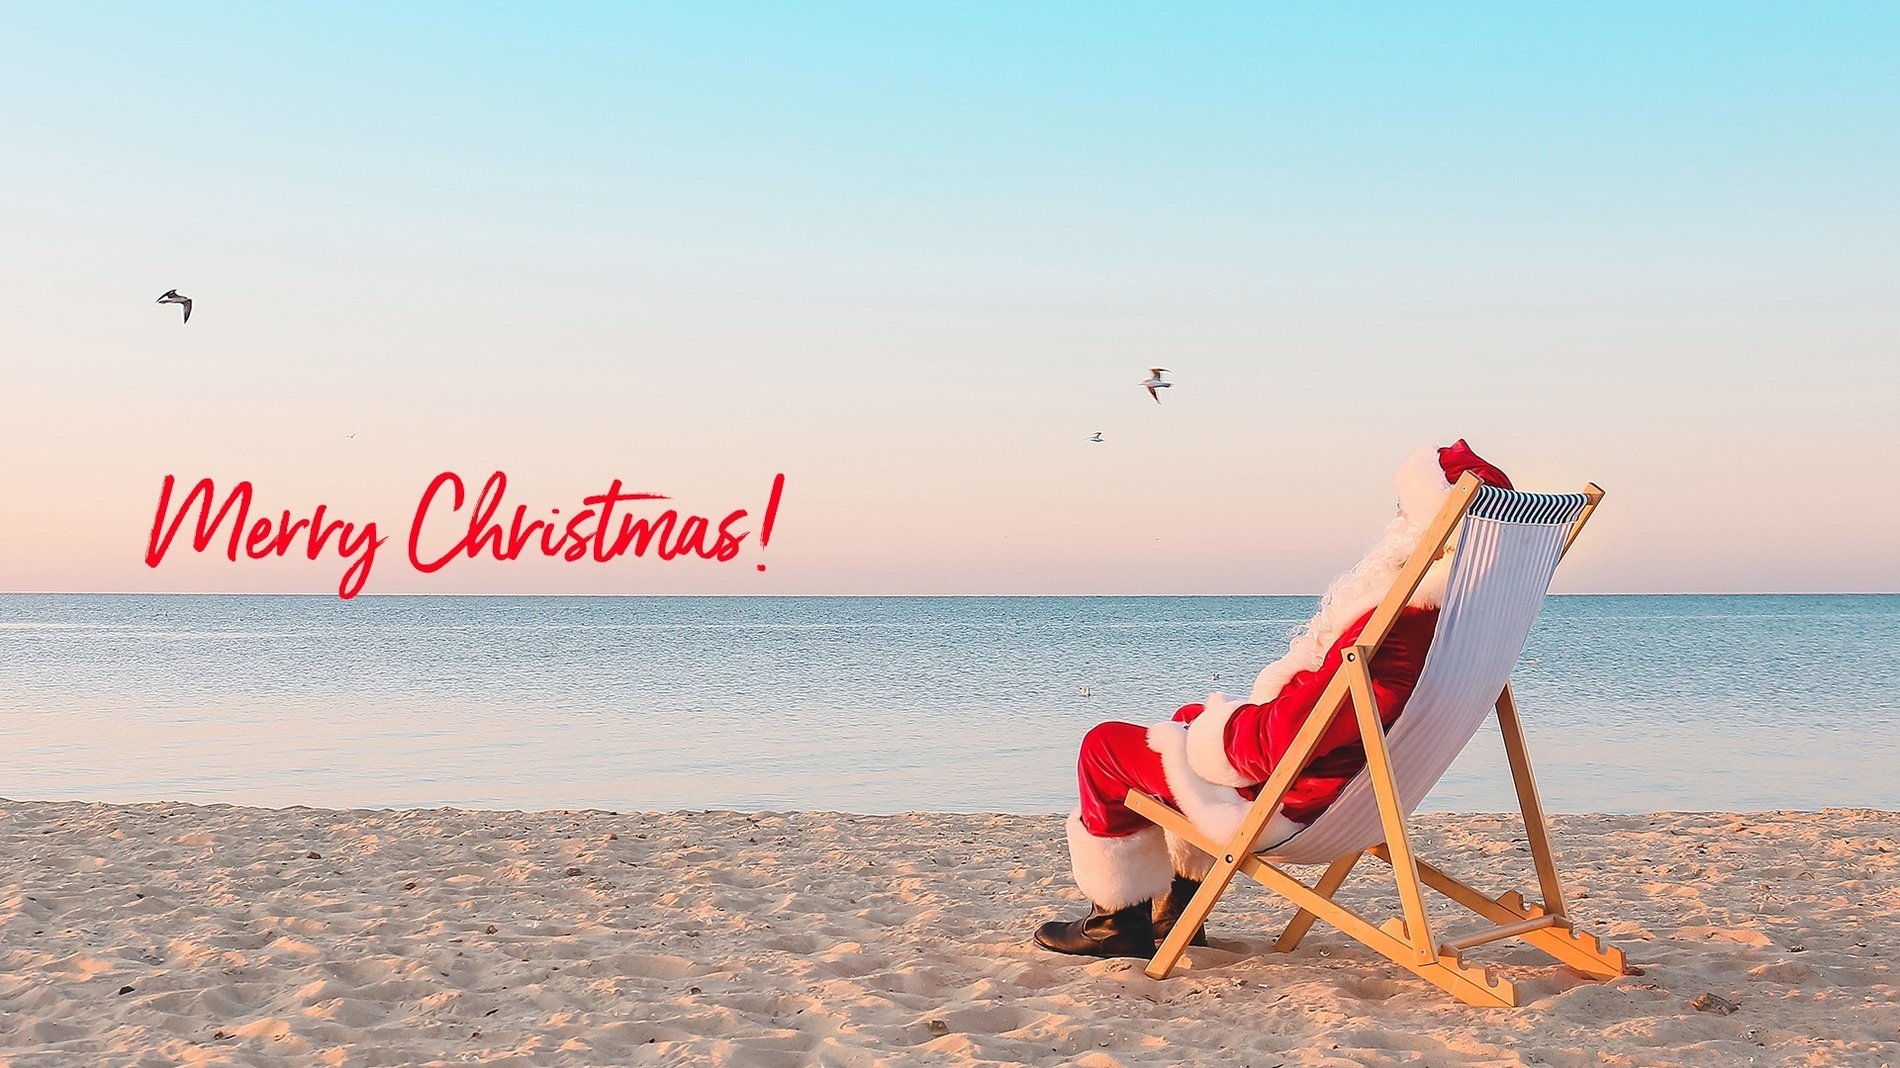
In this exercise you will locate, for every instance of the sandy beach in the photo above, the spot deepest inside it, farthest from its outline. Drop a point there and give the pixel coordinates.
(174, 934)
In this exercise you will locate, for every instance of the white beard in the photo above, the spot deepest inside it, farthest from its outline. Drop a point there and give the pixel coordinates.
(1360, 589)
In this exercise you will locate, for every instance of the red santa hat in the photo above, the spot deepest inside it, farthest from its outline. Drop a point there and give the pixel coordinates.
(1425, 479)
(1423, 482)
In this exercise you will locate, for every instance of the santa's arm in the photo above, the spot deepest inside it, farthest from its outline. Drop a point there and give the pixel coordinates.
(1231, 743)
(1239, 744)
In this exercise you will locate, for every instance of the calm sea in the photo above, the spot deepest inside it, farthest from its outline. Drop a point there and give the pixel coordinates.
(875, 704)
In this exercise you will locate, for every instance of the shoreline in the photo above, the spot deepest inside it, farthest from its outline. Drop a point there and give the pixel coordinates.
(222, 934)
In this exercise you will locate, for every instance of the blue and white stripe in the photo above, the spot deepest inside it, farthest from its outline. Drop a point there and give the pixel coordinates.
(1513, 506)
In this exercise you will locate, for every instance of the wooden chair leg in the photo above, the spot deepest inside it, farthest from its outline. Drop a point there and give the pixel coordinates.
(1577, 949)
(1535, 832)
(1447, 970)
(1357, 667)
(1328, 885)
(1471, 984)
(1213, 885)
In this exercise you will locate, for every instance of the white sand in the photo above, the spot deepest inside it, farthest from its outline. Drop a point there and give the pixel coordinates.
(174, 934)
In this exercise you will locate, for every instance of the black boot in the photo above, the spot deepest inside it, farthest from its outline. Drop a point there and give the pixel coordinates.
(1169, 908)
(1125, 932)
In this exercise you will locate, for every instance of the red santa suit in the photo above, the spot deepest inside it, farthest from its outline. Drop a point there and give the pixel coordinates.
(1211, 757)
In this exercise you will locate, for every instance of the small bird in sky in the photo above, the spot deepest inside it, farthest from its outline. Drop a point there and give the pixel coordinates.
(172, 296)
(350, 437)
(1154, 382)
(1097, 438)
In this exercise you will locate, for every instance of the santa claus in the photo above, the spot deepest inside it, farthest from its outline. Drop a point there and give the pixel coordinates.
(1209, 760)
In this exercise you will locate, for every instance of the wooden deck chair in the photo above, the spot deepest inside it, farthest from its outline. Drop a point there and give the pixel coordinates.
(1505, 547)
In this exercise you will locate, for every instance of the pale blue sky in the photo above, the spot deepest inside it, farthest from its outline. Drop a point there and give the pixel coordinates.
(912, 258)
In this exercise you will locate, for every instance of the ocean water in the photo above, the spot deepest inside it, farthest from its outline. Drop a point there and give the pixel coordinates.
(876, 704)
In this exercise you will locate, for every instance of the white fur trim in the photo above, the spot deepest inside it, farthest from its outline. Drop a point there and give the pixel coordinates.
(1188, 860)
(1216, 811)
(1207, 742)
(1274, 677)
(1118, 872)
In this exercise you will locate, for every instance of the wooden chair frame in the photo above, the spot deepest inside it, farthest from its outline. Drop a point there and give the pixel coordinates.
(1407, 939)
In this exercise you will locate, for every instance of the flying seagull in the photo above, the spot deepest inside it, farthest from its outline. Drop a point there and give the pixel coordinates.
(349, 436)
(1097, 438)
(172, 296)
(1154, 382)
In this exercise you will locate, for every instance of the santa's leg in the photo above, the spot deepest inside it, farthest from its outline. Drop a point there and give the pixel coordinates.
(1120, 859)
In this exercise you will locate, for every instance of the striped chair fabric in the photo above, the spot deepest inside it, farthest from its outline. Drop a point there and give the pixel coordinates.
(1507, 550)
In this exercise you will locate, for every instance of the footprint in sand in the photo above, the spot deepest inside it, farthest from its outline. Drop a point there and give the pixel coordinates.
(653, 966)
(992, 1019)
(1793, 973)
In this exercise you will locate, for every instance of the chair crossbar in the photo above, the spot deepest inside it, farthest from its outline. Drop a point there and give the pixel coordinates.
(1498, 933)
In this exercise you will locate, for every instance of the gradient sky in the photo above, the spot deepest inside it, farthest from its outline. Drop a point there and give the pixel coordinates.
(913, 257)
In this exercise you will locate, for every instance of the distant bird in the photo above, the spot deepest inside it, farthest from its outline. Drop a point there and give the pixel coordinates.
(1154, 382)
(1083, 692)
(172, 296)
(348, 437)
(1097, 438)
